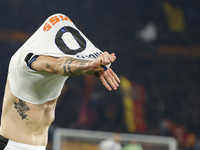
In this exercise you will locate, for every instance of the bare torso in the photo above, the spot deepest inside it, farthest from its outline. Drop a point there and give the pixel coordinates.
(27, 123)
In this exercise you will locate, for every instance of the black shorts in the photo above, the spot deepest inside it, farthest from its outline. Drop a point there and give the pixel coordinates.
(3, 142)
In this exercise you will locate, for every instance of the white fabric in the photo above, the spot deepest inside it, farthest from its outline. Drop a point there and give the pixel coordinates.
(110, 144)
(20, 146)
(38, 88)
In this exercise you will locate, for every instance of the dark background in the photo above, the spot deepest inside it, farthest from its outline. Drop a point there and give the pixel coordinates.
(167, 65)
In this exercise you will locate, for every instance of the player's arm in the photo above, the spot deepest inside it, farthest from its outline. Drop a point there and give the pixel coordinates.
(67, 66)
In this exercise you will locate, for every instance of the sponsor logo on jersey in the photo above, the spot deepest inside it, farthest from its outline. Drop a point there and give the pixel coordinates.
(93, 55)
(53, 20)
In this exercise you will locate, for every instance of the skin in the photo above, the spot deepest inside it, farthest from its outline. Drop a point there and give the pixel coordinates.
(29, 123)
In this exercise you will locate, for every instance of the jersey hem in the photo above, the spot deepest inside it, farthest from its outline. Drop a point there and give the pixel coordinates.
(14, 89)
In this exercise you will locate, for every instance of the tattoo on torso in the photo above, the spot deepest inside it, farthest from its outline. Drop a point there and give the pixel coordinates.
(21, 108)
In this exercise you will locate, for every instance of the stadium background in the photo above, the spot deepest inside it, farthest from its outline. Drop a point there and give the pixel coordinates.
(157, 48)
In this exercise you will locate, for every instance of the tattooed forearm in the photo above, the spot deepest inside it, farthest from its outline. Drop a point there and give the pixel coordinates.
(67, 67)
(48, 66)
(64, 68)
(21, 108)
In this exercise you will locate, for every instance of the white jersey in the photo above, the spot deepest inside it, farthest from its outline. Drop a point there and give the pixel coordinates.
(57, 37)
(110, 144)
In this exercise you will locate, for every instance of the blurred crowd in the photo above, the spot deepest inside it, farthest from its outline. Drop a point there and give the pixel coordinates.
(157, 46)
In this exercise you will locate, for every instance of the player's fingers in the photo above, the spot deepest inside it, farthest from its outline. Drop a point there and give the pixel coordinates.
(110, 80)
(103, 59)
(113, 56)
(104, 82)
(108, 58)
(114, 75)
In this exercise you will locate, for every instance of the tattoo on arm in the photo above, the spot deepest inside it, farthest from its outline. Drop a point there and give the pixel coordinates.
(67, 67)
(68, 64)
(21, 108)
(48, 66)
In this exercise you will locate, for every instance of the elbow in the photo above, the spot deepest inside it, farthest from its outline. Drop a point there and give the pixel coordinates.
(59, 69)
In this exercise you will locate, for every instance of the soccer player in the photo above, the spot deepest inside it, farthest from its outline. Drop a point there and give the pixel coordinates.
(112, 143)
(36, 75)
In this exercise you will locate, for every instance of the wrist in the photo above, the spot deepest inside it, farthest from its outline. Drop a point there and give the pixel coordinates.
(87, 68)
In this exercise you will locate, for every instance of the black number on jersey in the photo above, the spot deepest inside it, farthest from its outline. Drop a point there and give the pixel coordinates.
(63, 47)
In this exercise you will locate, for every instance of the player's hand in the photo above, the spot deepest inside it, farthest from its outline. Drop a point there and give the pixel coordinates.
(106, 58)
(109, 79)
(97, 64)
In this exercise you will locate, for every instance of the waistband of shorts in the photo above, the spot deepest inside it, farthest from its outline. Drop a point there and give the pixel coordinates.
(25, 146)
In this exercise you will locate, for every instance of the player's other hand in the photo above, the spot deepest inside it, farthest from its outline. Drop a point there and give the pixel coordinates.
(108, 77)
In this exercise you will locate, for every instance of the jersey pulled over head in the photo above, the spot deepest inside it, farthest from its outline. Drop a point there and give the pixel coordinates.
(57, 37)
